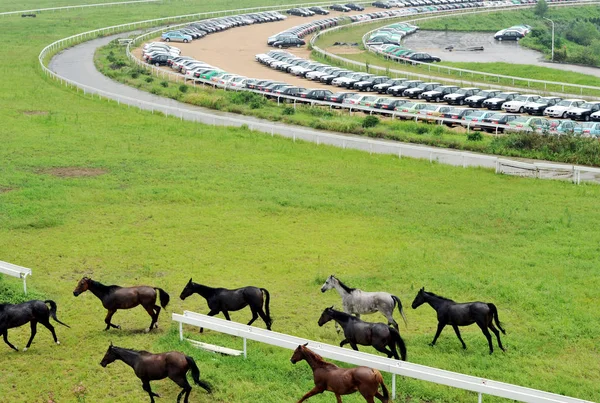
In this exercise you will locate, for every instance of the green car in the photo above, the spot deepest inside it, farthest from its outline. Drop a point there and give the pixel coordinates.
(411, 107)
(211, 73)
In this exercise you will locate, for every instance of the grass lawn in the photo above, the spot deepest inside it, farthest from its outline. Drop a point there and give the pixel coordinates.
(154, 200)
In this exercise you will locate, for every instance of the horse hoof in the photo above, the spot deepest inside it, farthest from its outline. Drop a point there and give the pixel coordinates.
(147, 330)
(25, 349)
(57, 343)
(119, 327)
(156, 325)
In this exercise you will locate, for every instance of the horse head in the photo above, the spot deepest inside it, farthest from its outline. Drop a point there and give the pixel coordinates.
(110, 356)
(82, 286)
(326, 316)
(419, 299)
(329, 283)
(298, 353)
(187, 290)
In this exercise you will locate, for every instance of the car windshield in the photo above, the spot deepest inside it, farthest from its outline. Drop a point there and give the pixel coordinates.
(430, 107)
(408, 105)
(542, 101)
(422, 86)
(477, 114)
(496, 116)
(456, 111)
(522, 119)
(503, 95)
(462, 91)
(369, 98)
(356, 97)
(587, 105)
(521, 98)
(564, 103)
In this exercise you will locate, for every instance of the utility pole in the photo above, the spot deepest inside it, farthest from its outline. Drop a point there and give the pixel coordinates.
(552, 22)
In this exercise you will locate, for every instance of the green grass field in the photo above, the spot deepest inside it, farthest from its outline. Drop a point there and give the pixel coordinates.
(167, 200)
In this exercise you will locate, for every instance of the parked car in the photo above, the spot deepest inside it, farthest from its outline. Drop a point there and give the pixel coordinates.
(382, 4)
(527, 122)
(354, 99)
(318, 10)
(458, 97)
(498, 100)
(299, 12)
(160, 59)
(498, 119)
(355, 7)
(562, 127)
(560, 109)
(289, 42)
(474, 120)
(457, 114)
(433, 111)
(584, 111)
(518, 103)
(176, 37)
(421, 57)
(339, 97)
(339, 7)
(538, 106)
(417, 92)
(509, 35)
(438, 93)
(588, 129)
(368, 84)
(389, 104)
(398, 90)
(382, 87)
(411, 107)
(318, 94)
(476, 101)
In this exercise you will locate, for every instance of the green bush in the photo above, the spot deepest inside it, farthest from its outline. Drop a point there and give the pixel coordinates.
(421, 129)
(255, 101)
(474, 136)
(370, 121)
(135, 74)
(288, 110)
(164, 84)
(438, 130)
(149, 79)
(183, 88)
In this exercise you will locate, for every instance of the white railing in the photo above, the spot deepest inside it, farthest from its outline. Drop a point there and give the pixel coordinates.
(463, 74)
(16, 271)
(66, 8)
(479, 385)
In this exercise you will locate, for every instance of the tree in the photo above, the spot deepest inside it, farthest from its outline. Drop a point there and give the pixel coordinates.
(541, 8)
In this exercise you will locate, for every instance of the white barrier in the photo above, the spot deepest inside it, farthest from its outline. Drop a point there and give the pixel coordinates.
(481, 386)
(65, 8)
(16, 271)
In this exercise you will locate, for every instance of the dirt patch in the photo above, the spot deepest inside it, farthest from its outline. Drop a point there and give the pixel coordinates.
(35, 113)
(73, 172)
(5, 190)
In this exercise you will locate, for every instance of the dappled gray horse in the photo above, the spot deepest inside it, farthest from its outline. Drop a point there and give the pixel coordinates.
(357, 302)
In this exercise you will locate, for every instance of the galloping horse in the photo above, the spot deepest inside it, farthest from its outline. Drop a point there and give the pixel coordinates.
(341, 381)
(357, 331)
(357, 302)
(114, 297)
(461, 314)
(224, 300)
(35, 311)
(152, 367)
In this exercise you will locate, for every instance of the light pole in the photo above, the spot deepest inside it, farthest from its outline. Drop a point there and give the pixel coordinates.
(552, 22)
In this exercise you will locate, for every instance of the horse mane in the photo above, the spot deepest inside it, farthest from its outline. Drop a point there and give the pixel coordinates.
(321, 362)
(439, 296)
(345, 287)
(131, 350)
(107, 287)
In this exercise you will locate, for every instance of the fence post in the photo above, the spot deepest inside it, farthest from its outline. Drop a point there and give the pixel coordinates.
(394, 386)
(180, 331)
(245, 353)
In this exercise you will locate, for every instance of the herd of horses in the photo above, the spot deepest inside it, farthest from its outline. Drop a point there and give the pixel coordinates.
(383, 337)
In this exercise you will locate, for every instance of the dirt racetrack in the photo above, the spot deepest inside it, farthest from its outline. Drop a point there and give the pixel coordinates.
(233, 50)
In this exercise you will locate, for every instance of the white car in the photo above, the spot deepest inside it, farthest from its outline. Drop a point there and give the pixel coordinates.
(238, 82)
(518, 103)
(189, 73)
(193, 66)
(341, 81)
(560, 109)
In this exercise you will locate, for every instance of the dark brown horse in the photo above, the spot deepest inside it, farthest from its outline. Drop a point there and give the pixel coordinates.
(35, 311)
(114, 297)
(153, 367)
(224, 300)
(461, 314)
(341, 381)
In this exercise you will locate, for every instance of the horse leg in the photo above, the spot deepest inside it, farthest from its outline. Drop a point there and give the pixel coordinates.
(5, 336)
(146, 386)
(109, 316)
(314, 391)
(212, 312)
(157, 312)
(390, 353)
(437, 334)
(264, 317)
(226, 314)
(392, 321)
(33, 332)
(497, 333)
(344, 342)
(458, 335)
(353, 345)
(182, 382)
(254, 315)
(487, 335)
(338, 398)
(154, 317)
(49, 326)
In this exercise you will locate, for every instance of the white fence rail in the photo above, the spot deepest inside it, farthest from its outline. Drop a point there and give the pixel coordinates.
(478, 385)
(490, 80)
(16, 271)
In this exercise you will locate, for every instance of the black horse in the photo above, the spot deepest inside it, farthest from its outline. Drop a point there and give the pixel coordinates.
(224, 300)
(356, 331)
(114, 297)
(35, 311)
(152, 367)
(461, 314)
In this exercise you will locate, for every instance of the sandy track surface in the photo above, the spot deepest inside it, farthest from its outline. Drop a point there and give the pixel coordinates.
(234, 50)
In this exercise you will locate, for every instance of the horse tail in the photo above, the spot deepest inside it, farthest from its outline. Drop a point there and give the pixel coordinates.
(495, 313)
(397, 300)
(267, 300)
(196, 374)
(53, 312)
(399, 342)
(164, 297)
(384, 389)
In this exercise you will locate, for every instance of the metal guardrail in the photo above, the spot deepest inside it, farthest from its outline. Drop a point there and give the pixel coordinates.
(475, 384)
(66, 8)
(462, 73)
(433, 154)
(16, 271)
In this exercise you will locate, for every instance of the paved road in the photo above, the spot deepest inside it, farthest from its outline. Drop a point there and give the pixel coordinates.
(76, 64)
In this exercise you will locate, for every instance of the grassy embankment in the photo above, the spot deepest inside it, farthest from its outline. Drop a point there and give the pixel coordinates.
(479, 22)
(172, 200)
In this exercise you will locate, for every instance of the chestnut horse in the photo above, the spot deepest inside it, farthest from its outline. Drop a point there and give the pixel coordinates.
(341, 381)
(114, 297)
(152, 367)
